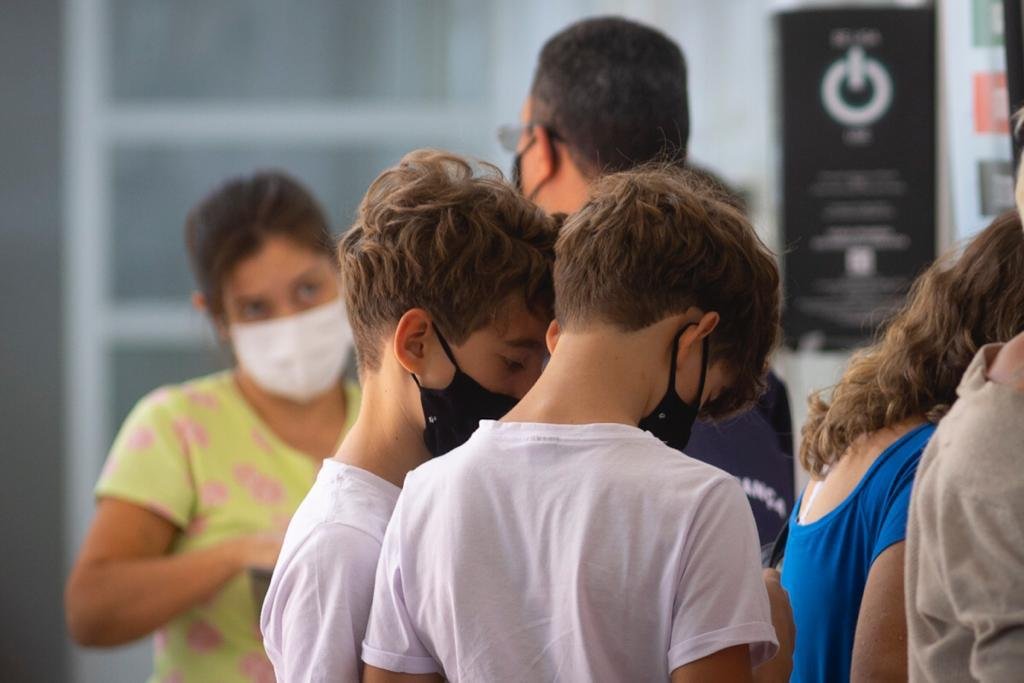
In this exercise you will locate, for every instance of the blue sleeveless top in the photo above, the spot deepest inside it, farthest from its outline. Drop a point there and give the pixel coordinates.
(827, 561)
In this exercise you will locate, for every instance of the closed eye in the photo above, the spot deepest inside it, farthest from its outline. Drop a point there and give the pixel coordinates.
(512, 364)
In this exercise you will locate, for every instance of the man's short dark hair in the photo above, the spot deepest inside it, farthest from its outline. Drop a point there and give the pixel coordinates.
(615, 92)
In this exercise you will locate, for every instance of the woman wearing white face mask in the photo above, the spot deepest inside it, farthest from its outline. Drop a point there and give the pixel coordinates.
(204, 477)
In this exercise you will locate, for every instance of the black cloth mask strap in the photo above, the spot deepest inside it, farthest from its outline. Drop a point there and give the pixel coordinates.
(703, 364)
(703, 371)
(447, 351)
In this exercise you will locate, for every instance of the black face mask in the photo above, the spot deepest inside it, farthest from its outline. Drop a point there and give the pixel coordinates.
(517, 171)
(517, 165)
(673, 418)
(452, 414)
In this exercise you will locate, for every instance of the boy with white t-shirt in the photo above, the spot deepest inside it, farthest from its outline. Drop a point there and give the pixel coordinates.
(447, 280)
(564, 542)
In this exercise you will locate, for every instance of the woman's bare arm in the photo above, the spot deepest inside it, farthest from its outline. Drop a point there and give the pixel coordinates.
(880, 643)
(124, 585)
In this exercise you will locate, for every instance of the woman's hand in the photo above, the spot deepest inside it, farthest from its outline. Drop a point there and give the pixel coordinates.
(258, 551)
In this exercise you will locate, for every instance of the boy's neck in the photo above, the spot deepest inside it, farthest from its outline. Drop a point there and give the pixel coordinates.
(591, 378)
(387, 437)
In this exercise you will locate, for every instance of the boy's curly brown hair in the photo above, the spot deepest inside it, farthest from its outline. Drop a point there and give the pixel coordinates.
(440, 233)
(653, 242)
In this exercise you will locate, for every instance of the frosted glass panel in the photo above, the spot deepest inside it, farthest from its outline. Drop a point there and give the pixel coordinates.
(314, 49)
(154, 188)
(138, 371)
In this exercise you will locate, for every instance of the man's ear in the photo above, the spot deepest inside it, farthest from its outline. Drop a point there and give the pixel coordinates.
(546, 161)
(551, 338)
(412, 336)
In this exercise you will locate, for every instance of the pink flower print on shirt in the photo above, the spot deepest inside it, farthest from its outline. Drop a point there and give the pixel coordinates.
(261, 441)
(141, 439)
(191, 434)
(173, 677)
(204, 399)
(257, 668)
(245, 474)
(262, 488)
(214, 493)
(267, 491)
(202, 637)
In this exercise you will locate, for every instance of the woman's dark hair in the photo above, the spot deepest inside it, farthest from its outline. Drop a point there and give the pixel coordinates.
(232, 222)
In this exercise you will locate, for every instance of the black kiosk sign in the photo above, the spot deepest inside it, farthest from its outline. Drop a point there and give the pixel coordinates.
(858, 112)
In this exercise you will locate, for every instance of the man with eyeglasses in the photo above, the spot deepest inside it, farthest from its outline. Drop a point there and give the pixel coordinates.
(609, 94)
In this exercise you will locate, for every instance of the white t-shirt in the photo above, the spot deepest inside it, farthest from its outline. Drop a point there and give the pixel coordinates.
(315, 613)
(539, 552)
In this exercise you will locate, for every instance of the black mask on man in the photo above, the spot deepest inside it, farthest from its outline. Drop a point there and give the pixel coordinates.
(517, 165)
(452, 414)
(673, 418)
(517, 171)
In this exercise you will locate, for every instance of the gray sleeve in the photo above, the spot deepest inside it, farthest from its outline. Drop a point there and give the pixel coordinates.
(978, 530)
(983, 562)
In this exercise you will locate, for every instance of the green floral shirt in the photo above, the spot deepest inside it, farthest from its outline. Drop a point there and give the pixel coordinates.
(198, 455)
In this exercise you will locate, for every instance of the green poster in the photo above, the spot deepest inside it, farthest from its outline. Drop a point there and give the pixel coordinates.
(988, 23)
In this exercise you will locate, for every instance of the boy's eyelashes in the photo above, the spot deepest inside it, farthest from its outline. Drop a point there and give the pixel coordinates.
(513, 364)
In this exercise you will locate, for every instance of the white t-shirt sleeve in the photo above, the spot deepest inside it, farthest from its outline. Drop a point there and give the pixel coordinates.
(721, 599)
(315, 615)
(391, 641)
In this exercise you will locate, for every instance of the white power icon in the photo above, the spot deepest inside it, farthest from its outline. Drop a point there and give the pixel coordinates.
(857, 71)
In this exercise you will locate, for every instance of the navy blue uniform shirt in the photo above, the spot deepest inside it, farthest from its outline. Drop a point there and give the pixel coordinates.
(756, 447)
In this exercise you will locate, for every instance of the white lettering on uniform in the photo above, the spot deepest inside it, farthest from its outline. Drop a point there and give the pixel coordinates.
(760, 491)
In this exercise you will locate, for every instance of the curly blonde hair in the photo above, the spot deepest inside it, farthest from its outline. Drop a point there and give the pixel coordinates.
(954, 308)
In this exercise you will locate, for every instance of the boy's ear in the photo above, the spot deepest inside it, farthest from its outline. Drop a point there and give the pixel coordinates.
(695, 333)
(688, 362)
(708, 323)
(551, 338)
(412, 335)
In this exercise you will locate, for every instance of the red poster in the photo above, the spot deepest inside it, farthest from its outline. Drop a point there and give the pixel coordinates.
(991, 103)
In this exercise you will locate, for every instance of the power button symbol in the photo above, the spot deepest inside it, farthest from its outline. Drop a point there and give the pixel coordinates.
(856, 90)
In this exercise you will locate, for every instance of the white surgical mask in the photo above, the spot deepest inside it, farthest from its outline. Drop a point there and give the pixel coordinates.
(298, 357)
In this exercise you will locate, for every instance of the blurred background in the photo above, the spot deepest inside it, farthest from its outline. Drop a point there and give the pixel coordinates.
(118, 115)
